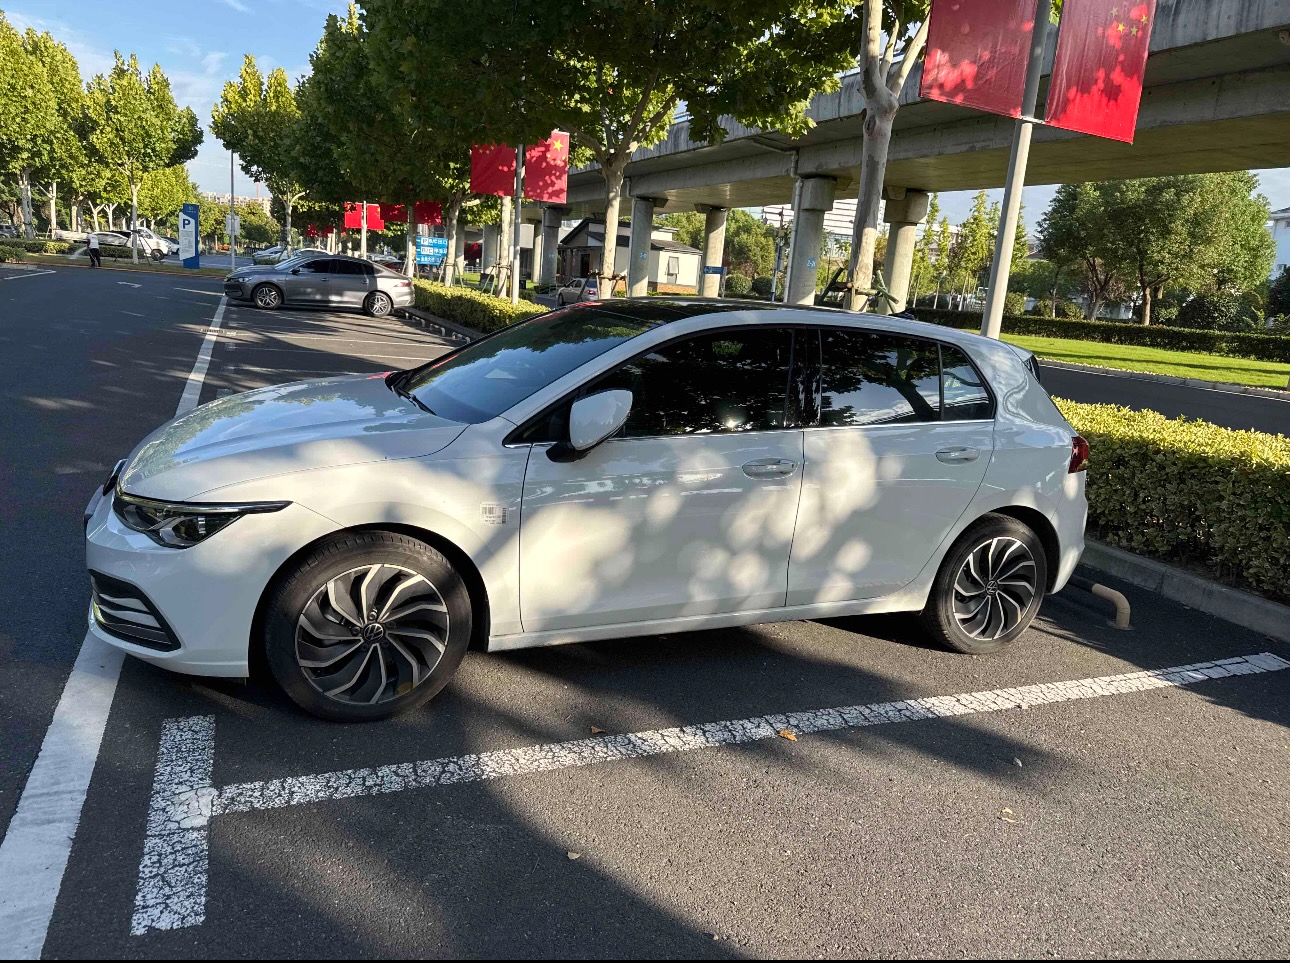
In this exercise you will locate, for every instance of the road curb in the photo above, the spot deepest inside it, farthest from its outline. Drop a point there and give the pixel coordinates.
(1232, 605)
(1276, 394)
(105, 266)
(446, 328)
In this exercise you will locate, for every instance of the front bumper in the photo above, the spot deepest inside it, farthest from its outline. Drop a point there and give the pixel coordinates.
(238, 290)
(206, 595)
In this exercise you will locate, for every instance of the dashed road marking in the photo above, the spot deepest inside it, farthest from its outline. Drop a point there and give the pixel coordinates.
(172, 885)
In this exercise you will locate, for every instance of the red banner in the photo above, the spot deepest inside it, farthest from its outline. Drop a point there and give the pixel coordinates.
(492, 169)
(429, 212)
(1096, 85)
(354, 216)
(546, 169)
(977, 51)
(394, 213)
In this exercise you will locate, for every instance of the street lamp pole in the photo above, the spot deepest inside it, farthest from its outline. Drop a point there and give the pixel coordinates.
(232, 265)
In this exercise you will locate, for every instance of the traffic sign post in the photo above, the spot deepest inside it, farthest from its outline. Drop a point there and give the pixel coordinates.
(188, 250)
(431, 250)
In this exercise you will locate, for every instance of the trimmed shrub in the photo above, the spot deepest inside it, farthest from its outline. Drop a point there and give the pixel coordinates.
(474, 309)
(39, 246)
(738, 285)
(1218, 311)
(1069, 311)
(1261, 347)
(1014, 302)
(10, 254)
(763, 286)
(1043, 309)
(1189, 491)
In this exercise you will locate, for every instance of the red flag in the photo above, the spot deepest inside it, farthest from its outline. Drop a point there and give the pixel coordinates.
(311, 231)
(394, 213)
(1096, 85)
(546, 169)
(492, 169)
(354, 216)
(977, 52)
(428, 212)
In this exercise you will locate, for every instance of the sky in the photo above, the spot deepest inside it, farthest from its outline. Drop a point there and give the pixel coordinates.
(200, 45)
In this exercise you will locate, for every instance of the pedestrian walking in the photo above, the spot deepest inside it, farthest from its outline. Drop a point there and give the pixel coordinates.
(96, 259)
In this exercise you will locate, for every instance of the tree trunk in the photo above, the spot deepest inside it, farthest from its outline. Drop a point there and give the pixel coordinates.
(1094, 307)
(111, 215)
(1146, 304)
(134, 223)
(451, 216)
(286, 220)
(53, 208)
(880, 111)
(504, 243)
(28, 222)
(613, 199)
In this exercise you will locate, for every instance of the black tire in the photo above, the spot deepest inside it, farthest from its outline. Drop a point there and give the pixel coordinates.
(378, 304)
(559, 300)
(998, 567)
(156, 255)
(267, 297)
(337, 558)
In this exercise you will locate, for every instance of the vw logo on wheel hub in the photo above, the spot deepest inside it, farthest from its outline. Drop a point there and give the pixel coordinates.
(372, 632)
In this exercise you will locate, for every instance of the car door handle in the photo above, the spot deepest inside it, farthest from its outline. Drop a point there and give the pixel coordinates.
(770, 468)
(954, 456)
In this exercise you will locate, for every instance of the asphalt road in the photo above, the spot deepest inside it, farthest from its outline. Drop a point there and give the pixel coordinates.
(1134, 824)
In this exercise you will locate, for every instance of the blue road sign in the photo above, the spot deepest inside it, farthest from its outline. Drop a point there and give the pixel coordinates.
(188, 249)
(431, 250)
(713, 269)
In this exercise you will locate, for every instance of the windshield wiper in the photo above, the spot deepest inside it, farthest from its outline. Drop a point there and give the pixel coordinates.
(394, 381)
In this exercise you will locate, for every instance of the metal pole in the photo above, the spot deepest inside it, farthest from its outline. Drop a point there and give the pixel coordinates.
(516, 222)
(362, 242)
(992, 316)
(232, 262)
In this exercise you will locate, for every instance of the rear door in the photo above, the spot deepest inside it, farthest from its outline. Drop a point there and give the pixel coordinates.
(905, 433)
(348, 282)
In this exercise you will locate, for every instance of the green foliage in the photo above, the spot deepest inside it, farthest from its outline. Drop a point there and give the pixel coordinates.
(1262, 347)
(1219, 311)
(1014, 303)
(10, 254)
(163, 192)
(738, 285)
(473, 309)
(1189, 491)
(1043, 309)
(258, 227)
(763, 286)
(1278, 301)
(39, 246)
(750, 244)
(1069, 311)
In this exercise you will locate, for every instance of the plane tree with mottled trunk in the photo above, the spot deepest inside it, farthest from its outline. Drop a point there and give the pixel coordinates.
(29, 118)
(613, 74)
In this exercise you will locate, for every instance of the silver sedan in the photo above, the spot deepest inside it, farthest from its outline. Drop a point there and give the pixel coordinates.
(331, 280)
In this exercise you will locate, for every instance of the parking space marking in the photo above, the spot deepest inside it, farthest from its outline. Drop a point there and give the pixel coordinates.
(35, 850)
(25, 274)
(172, 881)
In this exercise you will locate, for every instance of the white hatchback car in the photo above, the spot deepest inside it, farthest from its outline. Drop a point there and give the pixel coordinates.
(616, 468)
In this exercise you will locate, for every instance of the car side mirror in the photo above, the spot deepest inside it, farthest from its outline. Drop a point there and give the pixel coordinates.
(591, 420)
(295, 270)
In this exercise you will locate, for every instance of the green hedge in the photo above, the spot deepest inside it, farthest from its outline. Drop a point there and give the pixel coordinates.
(483, 312)
(39, 246)
(9, 253)
(1189, 491)
(1232, 344)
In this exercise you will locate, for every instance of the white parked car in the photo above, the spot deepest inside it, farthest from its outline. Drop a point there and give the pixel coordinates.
(613, 469)
(578, 289)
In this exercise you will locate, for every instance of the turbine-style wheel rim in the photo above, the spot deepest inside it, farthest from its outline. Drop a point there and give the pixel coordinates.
(372, 634)
(267, 298)
(994, 588)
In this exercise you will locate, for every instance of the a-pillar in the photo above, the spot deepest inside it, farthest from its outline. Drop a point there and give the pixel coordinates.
(814, 199)
(551, 219)
(904, 214)
(638, 251)
(714, 247)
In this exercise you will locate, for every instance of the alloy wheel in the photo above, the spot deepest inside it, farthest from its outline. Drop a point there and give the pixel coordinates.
(267, 297)
(372, 634)
(380, 304)
(994, 588)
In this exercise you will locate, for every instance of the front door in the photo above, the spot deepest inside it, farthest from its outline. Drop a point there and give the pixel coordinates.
(904, 438)
(689, 510)
(307, 283)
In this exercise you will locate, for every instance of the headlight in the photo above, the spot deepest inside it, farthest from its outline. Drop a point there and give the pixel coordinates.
(182, 524)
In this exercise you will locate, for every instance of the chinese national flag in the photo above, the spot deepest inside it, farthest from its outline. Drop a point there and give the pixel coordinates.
(546, 169)
(977, 52)
(1096, 85)
(354, 216)
(492, 169)
(428, 212)
(394, 213)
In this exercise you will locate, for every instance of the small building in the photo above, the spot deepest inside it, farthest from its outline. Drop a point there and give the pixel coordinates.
(1280, 228)
(674, 268)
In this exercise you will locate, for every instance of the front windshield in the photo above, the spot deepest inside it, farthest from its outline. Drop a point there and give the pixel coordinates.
(488, 376)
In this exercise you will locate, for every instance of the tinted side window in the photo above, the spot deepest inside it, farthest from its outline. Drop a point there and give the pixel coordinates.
(868, 378)
(316, 266)
(965, 394)
(340, 266)
(724, 381)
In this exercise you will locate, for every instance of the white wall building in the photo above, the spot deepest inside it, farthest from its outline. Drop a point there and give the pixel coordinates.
(1280, 228)
(673, 267)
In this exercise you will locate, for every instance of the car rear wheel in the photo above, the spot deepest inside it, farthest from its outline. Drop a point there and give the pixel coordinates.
(368, 625)
(989, 587)
(157, 255)
(378, 304)
(267, 296)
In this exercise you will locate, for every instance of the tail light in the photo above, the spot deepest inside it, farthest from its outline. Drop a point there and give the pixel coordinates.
(1079, 454)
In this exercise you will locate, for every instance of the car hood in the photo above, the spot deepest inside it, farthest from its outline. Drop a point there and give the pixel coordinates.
(279, 430)
(254, 270)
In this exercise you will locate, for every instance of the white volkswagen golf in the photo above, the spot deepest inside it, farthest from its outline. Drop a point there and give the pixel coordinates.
(618, 468)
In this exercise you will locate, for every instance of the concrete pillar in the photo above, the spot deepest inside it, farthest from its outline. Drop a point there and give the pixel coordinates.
(535, 257)
(488, 256)
(714, 247)
(814, 199)
(638, 251)
(904, 215)
(551, 218)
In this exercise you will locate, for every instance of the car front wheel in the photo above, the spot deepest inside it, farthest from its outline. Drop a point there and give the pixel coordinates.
(989, 587)
(378, 304)
(368, 625)
(157, 255)
(267, 296)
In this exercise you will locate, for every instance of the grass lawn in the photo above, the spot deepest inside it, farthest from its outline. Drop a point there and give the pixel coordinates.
(125, 264)
(1183, 364)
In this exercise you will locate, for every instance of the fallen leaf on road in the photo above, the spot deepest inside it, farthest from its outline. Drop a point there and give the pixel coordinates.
(573, 855)
(1017, 762)
(1008, 811)
(788, 734)
(597, 731)
(1007, 820)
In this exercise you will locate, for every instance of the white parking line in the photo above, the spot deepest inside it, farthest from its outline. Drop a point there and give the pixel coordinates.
(26, 274)
(35, 850)
(173, 873)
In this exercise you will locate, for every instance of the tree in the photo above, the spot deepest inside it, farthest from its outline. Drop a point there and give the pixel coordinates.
(258, 226)
(923, 268)
(616, 81)
(973, 248)
(1201, 231)
(138, 126)
(1076, 233)
(750, 244)
(163, 192)
(257, 119)
(65, 159)
(1278, 301)
(28, 115)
